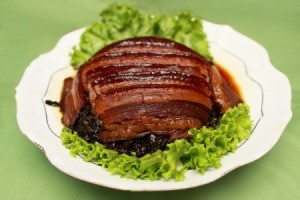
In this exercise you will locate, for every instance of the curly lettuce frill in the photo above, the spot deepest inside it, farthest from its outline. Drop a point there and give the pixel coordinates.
(205, 150)
(120, 21)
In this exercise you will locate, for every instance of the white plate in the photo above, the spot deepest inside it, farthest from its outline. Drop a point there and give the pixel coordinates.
(264, 88)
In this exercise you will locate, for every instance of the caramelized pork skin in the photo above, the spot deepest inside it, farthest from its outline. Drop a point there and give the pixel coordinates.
(146, 86)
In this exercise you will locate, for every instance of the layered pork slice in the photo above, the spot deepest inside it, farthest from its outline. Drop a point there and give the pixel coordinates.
(138, 94)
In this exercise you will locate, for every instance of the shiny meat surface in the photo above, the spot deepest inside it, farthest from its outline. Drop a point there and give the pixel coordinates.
(144, 87)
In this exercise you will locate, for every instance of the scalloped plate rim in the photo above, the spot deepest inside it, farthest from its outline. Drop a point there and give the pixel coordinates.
(44, 147)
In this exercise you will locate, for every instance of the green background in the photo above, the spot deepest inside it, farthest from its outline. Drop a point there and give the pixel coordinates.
(29, 28)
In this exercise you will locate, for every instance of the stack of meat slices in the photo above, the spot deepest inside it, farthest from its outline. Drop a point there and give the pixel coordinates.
(142, 93)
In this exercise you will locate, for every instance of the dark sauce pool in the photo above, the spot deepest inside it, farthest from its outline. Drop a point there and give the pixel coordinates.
(230, 80)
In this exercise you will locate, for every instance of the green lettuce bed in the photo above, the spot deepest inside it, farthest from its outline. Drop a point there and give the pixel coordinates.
(207, 146)
(205, 150)
(120, 21)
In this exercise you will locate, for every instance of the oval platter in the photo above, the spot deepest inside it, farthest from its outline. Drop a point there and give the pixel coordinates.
(266, 90)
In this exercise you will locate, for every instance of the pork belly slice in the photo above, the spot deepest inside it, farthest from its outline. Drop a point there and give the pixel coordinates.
(145, 44)
(149, 125)
(141, 58)
(109, 78)
(146, 95)
(127, 112)
(136, 69)
(73, 100)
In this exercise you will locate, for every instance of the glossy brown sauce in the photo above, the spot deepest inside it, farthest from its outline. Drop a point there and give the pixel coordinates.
(230, 80)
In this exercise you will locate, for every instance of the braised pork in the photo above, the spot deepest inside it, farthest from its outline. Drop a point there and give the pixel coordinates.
(144, 87)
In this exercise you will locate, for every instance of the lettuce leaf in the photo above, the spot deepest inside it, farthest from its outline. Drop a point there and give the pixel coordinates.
(121, 21)
(205, 150)
(207, 146)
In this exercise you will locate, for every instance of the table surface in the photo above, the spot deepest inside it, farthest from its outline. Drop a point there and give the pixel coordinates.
(29, 28)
